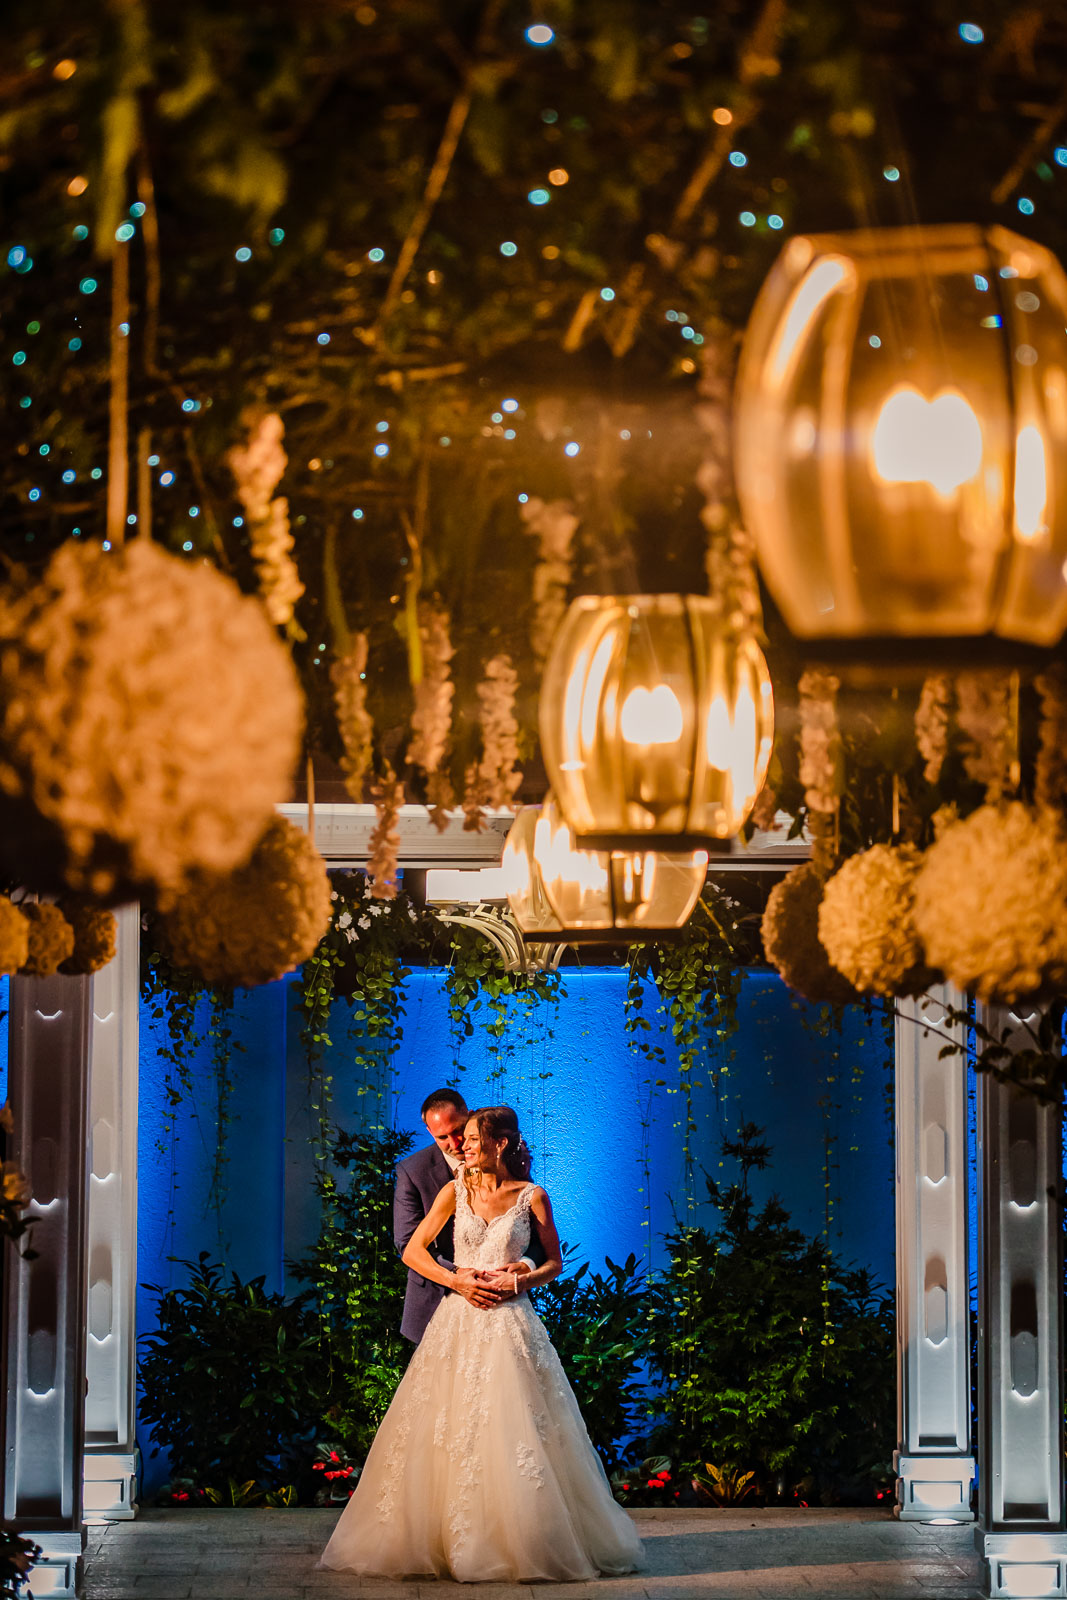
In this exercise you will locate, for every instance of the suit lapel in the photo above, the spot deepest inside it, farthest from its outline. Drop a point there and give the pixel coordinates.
(440, 1170)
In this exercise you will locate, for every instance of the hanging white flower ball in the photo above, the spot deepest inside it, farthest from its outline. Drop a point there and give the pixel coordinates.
(866, 925)
(150, 719)
(791, 938)
(991, 903)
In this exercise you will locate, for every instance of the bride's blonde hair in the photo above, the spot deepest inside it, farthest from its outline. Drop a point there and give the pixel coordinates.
(501, 1125)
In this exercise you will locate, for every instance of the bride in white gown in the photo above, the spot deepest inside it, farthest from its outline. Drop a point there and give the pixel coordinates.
(482, 1468)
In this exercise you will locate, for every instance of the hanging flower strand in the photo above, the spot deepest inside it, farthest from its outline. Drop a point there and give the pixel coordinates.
(553, 524)
(983, 711)
(1050, 777)
(730, 555)
(431, 720)
(494, 780)
(932, 723)
(257, 467)
(820, 761)
(353, 719)
(730, 558)
(382, 862)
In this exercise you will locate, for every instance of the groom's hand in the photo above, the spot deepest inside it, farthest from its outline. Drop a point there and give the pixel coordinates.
(473, 1286)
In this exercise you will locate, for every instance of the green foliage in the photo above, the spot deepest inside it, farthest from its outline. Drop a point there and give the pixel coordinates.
(698, 975)
(1028, 1054)
(358, 1283)
(649, 1482)
(17, 1559)
(310, 137)
(174, 996)
(771, 1356)
(231, 1379)
(479, 988)
(597, 1323)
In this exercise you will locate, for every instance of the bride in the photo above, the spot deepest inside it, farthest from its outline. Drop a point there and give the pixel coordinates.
(482, 1468)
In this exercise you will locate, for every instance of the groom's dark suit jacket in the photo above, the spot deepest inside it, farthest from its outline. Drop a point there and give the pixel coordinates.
(419, 1180)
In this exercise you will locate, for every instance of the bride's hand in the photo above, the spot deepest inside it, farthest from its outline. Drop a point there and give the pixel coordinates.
(478, 1287)
(507, 1279)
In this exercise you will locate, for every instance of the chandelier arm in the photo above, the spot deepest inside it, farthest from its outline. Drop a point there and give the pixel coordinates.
(505, 939)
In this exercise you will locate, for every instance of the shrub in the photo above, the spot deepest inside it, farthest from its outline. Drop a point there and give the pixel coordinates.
(771, 1356)
(357, 1286)
(230, 1381)
(597, 1326)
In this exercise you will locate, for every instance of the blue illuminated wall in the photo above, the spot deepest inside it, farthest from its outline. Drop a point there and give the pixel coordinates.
(587, 1101)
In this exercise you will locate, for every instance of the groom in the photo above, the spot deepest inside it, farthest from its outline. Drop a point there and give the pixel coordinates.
(419, 1180)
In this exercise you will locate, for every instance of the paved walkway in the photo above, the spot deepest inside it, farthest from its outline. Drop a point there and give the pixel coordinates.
(839, 1555)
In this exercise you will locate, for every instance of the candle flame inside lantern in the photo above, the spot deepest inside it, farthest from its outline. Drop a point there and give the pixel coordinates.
(937, 441)
(651, 716)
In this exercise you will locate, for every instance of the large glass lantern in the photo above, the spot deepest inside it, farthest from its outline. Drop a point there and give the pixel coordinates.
(901, 435)
(558, 891)
(656, 722)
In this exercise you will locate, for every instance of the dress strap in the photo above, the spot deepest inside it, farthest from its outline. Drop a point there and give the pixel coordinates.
(522, 1204)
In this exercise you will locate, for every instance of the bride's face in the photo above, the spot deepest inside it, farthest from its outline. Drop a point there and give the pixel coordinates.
(479, 1154)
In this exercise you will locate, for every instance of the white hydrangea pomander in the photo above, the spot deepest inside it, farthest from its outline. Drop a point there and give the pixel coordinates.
(150, 718)
(866, 925)
(790, 931)
(991, 903)
(258, 923)
(51, 940)
(14, 936)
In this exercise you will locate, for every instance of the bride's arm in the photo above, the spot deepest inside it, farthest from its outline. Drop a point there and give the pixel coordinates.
(416, 1253)
(545, 1224)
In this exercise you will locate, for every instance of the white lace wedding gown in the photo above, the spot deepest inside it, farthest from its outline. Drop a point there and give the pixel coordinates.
(482, 1468)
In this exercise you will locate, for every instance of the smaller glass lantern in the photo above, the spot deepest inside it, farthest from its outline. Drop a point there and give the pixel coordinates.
(656, 721)
(901, 436)
(558, 891)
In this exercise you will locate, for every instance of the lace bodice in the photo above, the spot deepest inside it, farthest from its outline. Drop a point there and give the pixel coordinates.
(490, 1244)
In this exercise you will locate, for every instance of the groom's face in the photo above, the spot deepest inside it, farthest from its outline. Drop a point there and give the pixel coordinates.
(445, 1126)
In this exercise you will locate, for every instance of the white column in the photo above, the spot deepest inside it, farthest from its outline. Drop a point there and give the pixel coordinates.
(934, 1459)
(1022, 1532)
(42, 1394)
(111, 1353)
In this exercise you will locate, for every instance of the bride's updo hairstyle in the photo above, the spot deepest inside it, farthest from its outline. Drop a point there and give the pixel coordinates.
(501, 1125)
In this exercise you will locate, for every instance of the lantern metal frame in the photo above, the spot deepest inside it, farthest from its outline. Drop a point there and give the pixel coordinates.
(938, 536)
(668, 795)
(550, 926)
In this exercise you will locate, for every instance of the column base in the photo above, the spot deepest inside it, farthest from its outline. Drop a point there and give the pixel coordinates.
(1015, 1564)
(59, 1571)
(933, 1488)
(110, 1486)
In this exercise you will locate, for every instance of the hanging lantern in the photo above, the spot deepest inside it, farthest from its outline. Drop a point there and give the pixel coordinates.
(902, 432)
(558, 891)
(656, 722)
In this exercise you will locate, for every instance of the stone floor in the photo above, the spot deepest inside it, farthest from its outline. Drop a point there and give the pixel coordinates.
(846, 1555)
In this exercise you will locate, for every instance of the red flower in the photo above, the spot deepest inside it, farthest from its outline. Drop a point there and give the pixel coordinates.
(626, 1485)
(334, 1456)
(663, 1476)
(318, 1466)
(652, 1484)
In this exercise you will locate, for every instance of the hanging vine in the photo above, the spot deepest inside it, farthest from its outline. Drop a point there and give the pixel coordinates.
(173, 997)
